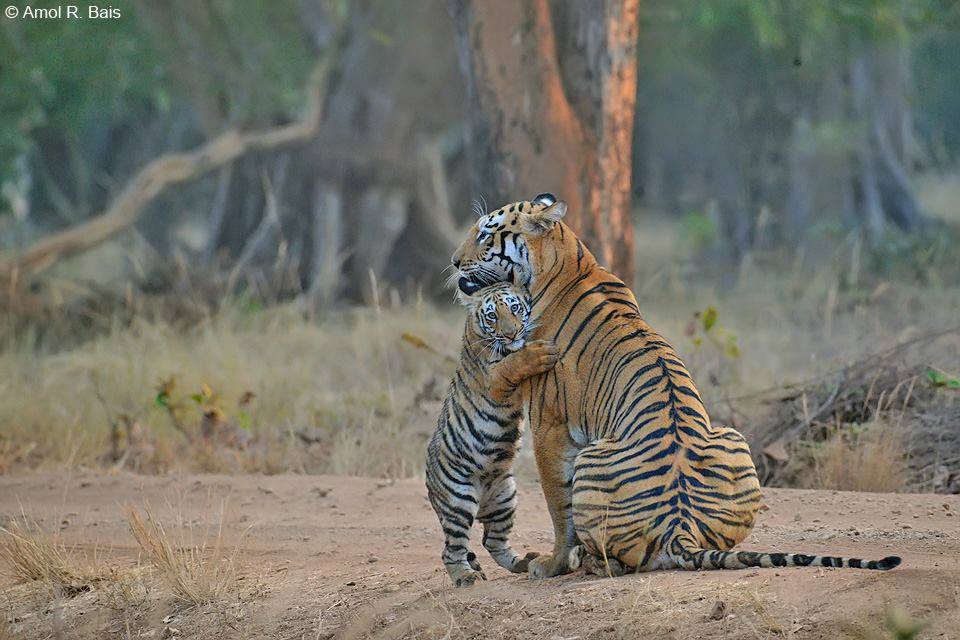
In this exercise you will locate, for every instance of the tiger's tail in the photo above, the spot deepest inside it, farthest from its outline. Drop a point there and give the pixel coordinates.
(688, 555)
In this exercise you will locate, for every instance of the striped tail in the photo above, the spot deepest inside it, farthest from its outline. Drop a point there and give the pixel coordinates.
(688, 555)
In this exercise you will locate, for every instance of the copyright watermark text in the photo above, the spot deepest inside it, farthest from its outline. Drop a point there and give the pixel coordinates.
(62, 12)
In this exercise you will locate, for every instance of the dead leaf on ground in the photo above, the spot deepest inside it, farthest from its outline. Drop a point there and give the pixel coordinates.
(719, 610)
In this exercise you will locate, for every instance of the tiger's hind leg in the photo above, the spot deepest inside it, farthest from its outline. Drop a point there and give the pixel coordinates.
(497, 515)
(472, 561)
(461, 563)
(456, 518)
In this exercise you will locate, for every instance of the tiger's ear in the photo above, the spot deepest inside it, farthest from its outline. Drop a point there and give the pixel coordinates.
(539, 222)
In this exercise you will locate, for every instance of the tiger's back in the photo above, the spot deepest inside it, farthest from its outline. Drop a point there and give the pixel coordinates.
(651, 465)
(661, 469)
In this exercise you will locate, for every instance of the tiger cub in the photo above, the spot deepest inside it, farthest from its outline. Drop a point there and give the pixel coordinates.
(470, 455)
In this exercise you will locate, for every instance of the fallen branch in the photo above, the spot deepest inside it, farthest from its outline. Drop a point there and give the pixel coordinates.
(842, 371)
(162, 173)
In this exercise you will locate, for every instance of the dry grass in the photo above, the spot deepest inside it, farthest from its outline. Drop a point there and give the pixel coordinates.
(197, 574)
(605, 609)
(32, 556)
(896, 623)
(101, 598)
(320, 391)
(871, 459)
(687, 611)
(10, 455)
(343, 393)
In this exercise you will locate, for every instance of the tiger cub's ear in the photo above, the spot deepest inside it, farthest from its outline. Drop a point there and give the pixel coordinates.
(468, 300)
(539, 222)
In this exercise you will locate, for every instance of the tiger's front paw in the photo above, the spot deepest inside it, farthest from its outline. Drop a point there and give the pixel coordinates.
(523, 564)
(549, 565)
(604, 567)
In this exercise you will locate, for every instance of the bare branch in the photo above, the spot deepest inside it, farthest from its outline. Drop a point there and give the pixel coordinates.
(164, 172)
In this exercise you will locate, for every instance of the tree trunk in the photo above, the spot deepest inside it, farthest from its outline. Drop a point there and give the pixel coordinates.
(326, 260)
(800, 159)
(887, 193)
(379, 216)
(871, 207)
(536, 128)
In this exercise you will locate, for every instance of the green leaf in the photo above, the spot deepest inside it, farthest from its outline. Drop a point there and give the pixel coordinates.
(244, 421)
(709, 318)
(698, 229)
(162, 399)
(197, 397)
(940, 379)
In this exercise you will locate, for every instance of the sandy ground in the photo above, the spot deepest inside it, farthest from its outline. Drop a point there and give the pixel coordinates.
(344, 557)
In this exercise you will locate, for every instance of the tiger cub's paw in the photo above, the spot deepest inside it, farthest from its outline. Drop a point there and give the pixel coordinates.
(538, 356)
(467, 578)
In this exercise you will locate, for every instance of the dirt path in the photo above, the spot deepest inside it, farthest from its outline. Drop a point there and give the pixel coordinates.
(339, 557)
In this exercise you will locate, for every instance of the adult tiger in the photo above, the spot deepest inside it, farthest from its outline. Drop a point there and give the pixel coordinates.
(629, 462)
(470, 456)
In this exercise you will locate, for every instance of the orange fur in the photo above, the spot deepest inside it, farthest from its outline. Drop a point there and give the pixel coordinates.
(628, 459)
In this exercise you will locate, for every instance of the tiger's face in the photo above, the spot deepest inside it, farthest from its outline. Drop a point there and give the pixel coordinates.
(498, 246)
(501, 317)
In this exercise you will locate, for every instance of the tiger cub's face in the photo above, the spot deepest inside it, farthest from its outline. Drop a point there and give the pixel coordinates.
(498, 247)
(500, 315)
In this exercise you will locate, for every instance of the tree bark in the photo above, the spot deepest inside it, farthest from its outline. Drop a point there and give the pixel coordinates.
(536, 128)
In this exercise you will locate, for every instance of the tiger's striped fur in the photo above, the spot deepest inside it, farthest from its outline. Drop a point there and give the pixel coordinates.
(631, 466)
(470, 456)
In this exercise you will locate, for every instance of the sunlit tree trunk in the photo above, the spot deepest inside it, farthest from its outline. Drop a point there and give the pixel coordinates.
(552, 99)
